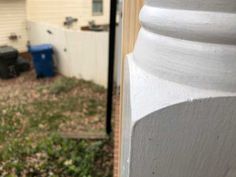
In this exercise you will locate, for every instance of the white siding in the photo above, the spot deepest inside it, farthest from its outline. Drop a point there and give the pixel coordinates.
(55, 11)
(13, 20)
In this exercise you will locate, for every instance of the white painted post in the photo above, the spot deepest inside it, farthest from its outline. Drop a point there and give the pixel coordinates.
(179, 117)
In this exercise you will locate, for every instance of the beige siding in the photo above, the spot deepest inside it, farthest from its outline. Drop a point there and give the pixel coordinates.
(55, 11)
(13, 20)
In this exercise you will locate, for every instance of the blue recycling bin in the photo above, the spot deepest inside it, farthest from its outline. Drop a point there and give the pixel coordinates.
(43, 60)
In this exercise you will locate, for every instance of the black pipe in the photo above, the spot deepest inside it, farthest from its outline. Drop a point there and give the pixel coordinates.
(112, 37)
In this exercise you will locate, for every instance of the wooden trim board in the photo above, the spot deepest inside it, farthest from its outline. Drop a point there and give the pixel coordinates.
(84, 135)
(131, 26)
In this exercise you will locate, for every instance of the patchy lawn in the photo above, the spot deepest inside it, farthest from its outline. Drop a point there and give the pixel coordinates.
(33, 115)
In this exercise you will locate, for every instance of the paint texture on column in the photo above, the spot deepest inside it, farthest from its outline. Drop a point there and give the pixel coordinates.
(179, 91)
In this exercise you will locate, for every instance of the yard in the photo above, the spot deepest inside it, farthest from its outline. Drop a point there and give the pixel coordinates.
(36, 113)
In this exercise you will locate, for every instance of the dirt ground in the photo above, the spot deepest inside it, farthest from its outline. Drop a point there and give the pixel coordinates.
(35, 112)
(85, 101)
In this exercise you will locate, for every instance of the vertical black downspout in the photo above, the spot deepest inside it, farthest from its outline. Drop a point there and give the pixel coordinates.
(112, 38)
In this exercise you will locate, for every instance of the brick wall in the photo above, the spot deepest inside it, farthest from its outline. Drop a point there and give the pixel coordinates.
(117, 134)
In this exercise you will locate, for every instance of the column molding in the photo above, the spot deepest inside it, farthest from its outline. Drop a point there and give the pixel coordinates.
(131, 27)
(179, 99)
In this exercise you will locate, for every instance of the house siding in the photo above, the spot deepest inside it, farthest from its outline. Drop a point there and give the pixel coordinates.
(13, 20)
(55, 11)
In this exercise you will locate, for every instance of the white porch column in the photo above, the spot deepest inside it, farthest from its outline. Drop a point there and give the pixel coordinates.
(179, 116)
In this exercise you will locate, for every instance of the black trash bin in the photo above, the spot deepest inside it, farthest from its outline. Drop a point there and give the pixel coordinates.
(8, 60)
(22, 65)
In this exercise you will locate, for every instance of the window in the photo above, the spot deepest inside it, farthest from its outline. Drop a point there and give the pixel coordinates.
(97, 7)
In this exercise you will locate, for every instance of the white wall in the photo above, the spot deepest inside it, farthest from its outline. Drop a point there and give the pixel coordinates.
(13, 20)
(82, 54)
(55, 11)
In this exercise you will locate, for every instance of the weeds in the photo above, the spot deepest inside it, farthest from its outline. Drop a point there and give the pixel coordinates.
(63, 85)
(29, 141)
(56, 156)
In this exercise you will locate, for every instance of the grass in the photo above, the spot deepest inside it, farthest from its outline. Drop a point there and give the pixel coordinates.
(55, 156)
(30, 144)
(63, 85)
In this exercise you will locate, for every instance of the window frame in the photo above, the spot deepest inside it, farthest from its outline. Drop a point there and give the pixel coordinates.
(97, 13)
